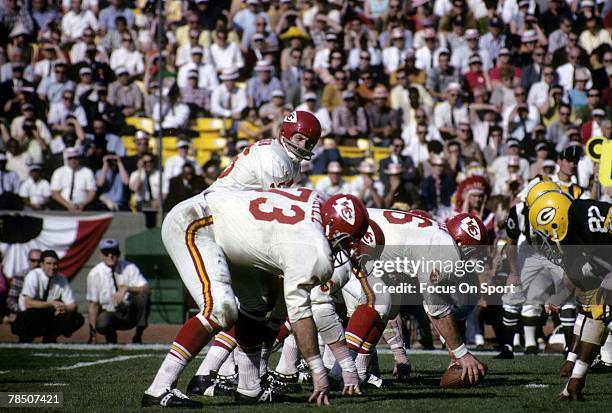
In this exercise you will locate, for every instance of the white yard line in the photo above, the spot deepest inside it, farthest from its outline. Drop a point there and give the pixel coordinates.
(104, 361)
(55, 384)
(64, 355)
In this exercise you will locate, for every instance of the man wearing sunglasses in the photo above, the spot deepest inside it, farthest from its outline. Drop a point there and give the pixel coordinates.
(118, 296)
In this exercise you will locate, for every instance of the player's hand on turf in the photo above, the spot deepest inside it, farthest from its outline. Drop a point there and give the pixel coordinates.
(320, 394)
(351, 383)
(551, 308)
(473, 369)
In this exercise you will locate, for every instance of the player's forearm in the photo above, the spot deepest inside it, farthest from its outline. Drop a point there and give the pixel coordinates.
(305, 333)
(32, 303)
(447, 328)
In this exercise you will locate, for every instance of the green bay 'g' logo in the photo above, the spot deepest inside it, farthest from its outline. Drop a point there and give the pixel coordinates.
(546, 215)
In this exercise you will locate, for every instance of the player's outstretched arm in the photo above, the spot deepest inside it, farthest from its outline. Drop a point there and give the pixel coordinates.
(472, 367)
(305, 333)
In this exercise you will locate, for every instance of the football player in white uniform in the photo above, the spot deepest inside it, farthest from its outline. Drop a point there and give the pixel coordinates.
(265, 164)
(273, 163)
(254, 236)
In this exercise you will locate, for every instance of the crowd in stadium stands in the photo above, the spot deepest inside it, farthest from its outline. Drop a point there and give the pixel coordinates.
(443, 105)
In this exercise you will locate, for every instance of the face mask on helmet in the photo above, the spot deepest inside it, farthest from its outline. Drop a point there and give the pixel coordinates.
(342, 247)
(550, 248)
(295, 151)
(308, 126)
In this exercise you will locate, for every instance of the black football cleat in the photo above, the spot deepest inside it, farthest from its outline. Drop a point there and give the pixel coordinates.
(199, 383)
(506, 353)
(266, 395)
(170, 398)
(282, 383)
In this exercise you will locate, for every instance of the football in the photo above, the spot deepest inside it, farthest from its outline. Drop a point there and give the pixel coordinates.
(452, 378)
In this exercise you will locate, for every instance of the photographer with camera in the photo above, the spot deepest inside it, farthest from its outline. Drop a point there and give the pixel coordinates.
(118, 296)
(112, 181)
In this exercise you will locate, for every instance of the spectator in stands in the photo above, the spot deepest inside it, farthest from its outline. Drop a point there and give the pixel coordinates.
(184, 186)
(80, 49)
(18, 160)
(448, 114)
(291, 77)
(114, 38)
(12, 299)
(15, 91)
(174, 164)
(475, 77)
(542, 151)
(174, 115)
(384, 122)
(227, 99)
(518, 117)
(440, 77)
(367, 188)
(437, 188)
(577, 95)
(85, 82)
(145, 183)
(568, 72)
(51, 55)
(427, 55)
(207, 77)
(31, 133)
(194, 96)
(394, 56)
(225, 54)
(260, 87)
(498, 170)
(61, 111)
(349, 120)
(557, 130)
(494, 40)
(76, 20)
(112, 181)
(311, 105)
(100, 69)
(417, 146)
(410, 175)
(35, 190)
(118, 296)
(46, 303)
(332, 96)
(396, 196)
(73, 186)
(125, 95)
(51, 88)
(108, 15)
(333, 183)
(9, 186)
(127, 57)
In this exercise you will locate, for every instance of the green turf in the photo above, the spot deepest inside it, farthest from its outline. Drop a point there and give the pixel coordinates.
(118, 386)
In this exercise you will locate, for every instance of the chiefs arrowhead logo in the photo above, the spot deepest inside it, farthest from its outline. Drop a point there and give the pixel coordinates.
(291, 118)
(345, 209)
(469, 225)
(546, 215)
(368, 238)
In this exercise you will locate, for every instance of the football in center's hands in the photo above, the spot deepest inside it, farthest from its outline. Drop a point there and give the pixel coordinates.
(451, 379)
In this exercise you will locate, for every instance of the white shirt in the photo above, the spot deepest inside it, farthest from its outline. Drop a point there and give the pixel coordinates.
(175, 117)
(228, 58)
(174, 166)
(461, 57)
(566, 75)
(84, 182)
(58, 112)
(36, 192)
(325, 187)
(143, 194)
(357, 187)
(265, 164)
(101, 287)
(131, 59)
(538, 94)
(393, 57)
(44, 68)
(321, 59)
(74, 24)
(442, 115)
(9, 181)
(424, 60)
(220, 101)
(20, 164)
(207, 77)
(35, 284)
(77, 53)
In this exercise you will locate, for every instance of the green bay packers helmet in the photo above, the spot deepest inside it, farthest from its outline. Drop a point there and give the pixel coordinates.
(548, 215)
(539, 189)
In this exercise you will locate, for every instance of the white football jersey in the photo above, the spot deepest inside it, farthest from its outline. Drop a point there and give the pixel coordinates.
(262, 165)
(279, 232)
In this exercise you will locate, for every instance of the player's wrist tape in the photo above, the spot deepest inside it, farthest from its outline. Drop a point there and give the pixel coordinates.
(315, 363)
(460, 351)
(572, 357)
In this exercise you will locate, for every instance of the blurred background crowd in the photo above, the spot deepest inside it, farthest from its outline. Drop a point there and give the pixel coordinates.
(441, 105)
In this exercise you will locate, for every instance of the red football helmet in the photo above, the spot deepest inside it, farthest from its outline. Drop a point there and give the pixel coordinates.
(370, 246)
(467, 230)
(345, 221)
(300, 122)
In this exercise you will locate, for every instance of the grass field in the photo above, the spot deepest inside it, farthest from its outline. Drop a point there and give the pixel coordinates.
(109, 380)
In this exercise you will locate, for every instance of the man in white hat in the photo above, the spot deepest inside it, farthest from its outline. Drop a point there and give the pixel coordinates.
(228, 100)
(461, 56)
(225, 54)
(35, 190)
(260, 87)
(349, 120)
(333, 183)
(125, 94)
(448, 114)
(174, 164)
(128, 56)
(207, 76)
(568, 72)
(366, 187)
(394, 56)
(9, 186)
(73, 186)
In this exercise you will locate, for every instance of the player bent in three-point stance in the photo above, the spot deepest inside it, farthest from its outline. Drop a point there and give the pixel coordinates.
(291, 234)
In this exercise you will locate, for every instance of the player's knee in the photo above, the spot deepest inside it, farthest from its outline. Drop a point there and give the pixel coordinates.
(437, 311)
(328, 323)
(383, 310)
(226, 313)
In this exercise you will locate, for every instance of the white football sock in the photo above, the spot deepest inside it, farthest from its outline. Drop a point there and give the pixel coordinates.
(228, 368)
(606, 350)
(328, 358)
(263, 364)
(214, 359)
(530, 336)
(248, 372)
(362, 361)
(288, 358)
(167, 374)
